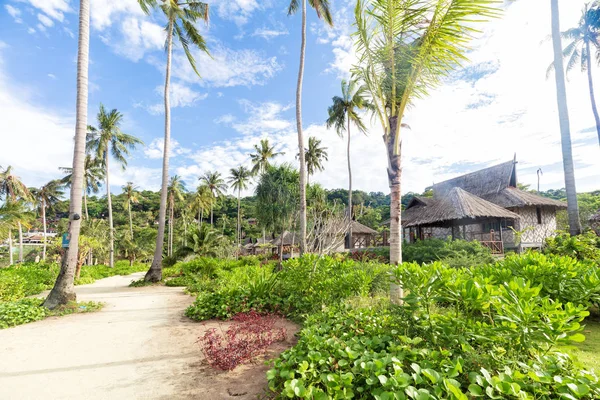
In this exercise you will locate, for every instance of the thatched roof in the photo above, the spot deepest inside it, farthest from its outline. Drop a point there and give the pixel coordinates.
(457, 205)
(419, 201)
(595, 217)
(512, 197)
(260, 242)
(488, 180)
(289, 239)
(357, 227)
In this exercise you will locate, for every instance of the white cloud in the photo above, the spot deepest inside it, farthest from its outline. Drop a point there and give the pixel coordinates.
(45, 20)
(225, 119)
(239, 11)
(30, 30)
(180, 96)
(268, 34)
(14, 12)
(136, 37)
(227, 67)
(69, 32)
(52, 76)
(104, 13)
(54, 9)
(156, 148)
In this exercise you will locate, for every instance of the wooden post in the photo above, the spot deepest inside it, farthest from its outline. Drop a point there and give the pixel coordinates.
(464, 233)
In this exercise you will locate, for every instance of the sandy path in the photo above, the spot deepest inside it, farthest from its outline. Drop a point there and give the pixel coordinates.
(140, 346)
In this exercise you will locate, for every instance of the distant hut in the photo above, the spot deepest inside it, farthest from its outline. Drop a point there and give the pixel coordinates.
(288, 242)
(362, 235)
(595, 222)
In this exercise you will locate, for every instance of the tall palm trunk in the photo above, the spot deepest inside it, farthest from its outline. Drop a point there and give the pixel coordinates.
(211, 215)
(239, 221)
(394, 178)
(300, 134)
(154, 274)
(63, 291)
(201, 218)
(350, 239)
(130, 220)
(87, 215)
(20, 242)
(565, 129)
(111, 233)
(45, 230)
(11, 258)
(591, 84)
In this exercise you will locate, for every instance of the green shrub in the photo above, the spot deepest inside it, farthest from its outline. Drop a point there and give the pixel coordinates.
(582, 247)
(21, 312)
(455, 253)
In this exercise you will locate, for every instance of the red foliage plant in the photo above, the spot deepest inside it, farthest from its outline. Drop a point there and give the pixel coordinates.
(248, 336)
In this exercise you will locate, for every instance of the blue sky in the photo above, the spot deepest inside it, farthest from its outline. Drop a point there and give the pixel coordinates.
(498, 104)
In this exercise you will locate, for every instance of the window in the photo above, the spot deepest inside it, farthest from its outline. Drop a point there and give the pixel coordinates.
(538, 211)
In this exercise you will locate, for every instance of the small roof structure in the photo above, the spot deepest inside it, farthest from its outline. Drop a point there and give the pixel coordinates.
(262, 243)
(488, 180)
(359, 228)
(456, 206)
(289, 239)
(512, 197)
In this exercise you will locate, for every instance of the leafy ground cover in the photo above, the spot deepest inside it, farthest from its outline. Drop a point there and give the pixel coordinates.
(587, 353)
(19, 282)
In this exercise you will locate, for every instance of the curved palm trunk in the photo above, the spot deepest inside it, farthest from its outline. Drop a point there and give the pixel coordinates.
(394, 178)
(111, 233)
(62, 292)
(211, 215)
(239, 221)
(565, 129)
(300, 134)
(20, 242)
(201, 218)
(11, 258)
(154, 274)
(45, 230)
(591, 84)
(87, 215)
(130, 220)
(350, 239)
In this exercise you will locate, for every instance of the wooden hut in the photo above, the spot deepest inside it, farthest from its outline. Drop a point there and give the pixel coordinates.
(288, 241)
(595, 222)
(362, 235)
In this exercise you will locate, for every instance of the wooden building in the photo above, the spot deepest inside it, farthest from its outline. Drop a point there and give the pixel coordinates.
(485, 205)
(362, 236)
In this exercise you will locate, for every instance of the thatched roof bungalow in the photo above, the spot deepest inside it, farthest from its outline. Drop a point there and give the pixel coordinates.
(362, 235)
(486, 205)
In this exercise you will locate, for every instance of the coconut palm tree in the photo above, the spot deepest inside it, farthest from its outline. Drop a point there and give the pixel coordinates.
(181, 26)
(217, 186)
(103, 141)
(238, 180)
(93, 176)
(434, 41)
(579, 50)
(314, 156)
(565, 128)
(176, 189)
(14, 190)
(260, 159)
(63, 290)
(322, 9)
(132, 196)
(202, 200)
(342, 112)
(47, 196)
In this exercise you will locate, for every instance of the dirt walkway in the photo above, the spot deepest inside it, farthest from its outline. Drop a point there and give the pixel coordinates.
(140, 346)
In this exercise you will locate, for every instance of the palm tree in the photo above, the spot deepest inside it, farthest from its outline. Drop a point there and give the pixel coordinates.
(105, 140)
(322, 9)
(565, 129)
(342, 112)
(132, 196)
(260, 159)
(239, 179)
(47, 196)
(314, 156)
(579, 50)
(13, 191)
(181, 20)
(93, 175)
(63, 290)
(217, 186)
(175, 190)
(395, 72)
(11, 214)
(202, 202)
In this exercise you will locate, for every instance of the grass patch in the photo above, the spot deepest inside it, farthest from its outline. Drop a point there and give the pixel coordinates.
(587, 353)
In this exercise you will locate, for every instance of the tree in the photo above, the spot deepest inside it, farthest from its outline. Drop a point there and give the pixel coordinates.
(565, 129)
(342, 112)
(181, 20)
(47, 196)
(105, 140)
(11, 214)
(132, 196)
(202, 202)
(239, 179)
(404, 48)
(217, 186)
(93, 175)
(277, 199)
(13, 191)
(175, 189)
(579, 50)
(322, 9)
(260, 159)
(314, 156)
